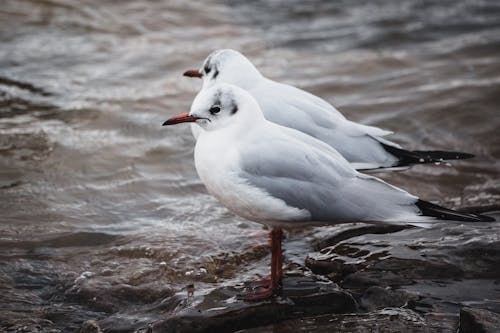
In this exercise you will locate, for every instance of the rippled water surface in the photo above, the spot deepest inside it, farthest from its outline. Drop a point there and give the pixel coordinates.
(91, 185)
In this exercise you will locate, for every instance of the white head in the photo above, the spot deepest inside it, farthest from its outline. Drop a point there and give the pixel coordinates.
(219, 106)
(227, 66)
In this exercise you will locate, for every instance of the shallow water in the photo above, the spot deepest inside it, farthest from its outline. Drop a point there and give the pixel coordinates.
(92, 187)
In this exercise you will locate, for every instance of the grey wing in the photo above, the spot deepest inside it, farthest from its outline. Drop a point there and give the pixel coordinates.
(291, 107)
(308, 174)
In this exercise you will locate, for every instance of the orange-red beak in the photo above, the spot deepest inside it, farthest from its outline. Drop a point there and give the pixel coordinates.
(193, 73)
(182, 118)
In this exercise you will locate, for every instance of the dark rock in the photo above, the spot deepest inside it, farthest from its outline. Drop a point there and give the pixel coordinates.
(481, 261)
(354, 230)
(449, 295)
(418, 269)
(443, 251)
(376, 298)
(442, 321)
(474, 320)
(90, 326)
(413, 280)
(222, 311)
(386, 320)
(367, 278)
(103, 295)
(445, 265)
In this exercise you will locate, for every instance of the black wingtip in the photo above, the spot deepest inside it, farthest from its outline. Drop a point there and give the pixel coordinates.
(407, 157)
(486, 218)
(464, 156)
(442, 213)
(440, 155)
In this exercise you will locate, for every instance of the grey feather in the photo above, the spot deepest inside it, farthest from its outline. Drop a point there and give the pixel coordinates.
(313, 176)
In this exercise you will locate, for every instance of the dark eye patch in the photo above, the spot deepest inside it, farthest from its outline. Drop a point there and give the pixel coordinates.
(234, 109)
(207, 68)
(214, 109)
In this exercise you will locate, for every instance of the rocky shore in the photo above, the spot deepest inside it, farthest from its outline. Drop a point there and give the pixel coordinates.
(361, 278)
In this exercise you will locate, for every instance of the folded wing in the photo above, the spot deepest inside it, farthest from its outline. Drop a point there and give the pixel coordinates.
(308, 174)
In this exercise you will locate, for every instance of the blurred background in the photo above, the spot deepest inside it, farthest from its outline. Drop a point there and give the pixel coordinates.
(93, 188)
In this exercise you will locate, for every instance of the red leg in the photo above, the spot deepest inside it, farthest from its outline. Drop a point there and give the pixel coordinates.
(274, 284)
(279, 258)
(274, 260)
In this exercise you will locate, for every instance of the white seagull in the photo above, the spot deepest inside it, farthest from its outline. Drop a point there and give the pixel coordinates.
(284, 178)
(362, 145)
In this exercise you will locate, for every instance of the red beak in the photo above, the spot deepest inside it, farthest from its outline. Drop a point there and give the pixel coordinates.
(182, 118)
(193, 73)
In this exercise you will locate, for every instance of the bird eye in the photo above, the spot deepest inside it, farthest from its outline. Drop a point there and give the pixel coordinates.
(214, 109)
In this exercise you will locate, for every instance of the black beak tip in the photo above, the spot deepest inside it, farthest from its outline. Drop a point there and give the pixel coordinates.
(192, 73)
(166, 123)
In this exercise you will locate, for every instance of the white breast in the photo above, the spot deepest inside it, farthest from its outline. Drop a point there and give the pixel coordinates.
(217, 164)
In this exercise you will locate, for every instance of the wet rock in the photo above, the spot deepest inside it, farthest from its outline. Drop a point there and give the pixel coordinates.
(411, 280)
(451, 295)
(364, 279)
(353, 230)
(90, 326)
(222, 311)
(143, 317)
(347, 259)
(431, 271)
(354, 255)
(104, 295)
(436, 263)
(386, 320)
(32, 325)
(376, 298)
(478, 321)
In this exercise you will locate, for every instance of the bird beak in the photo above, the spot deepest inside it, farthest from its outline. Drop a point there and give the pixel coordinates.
(182, 118)
(193, 73)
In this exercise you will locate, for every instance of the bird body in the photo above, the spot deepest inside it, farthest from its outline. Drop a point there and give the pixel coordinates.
(276, 176)
(362, 145)
(281, 177)
(358, 143)
(224, 181)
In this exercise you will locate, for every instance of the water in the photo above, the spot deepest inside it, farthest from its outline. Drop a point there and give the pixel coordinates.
(92, 188)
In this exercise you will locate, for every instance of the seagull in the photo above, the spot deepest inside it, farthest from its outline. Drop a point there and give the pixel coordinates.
(283, 178)
(364, 146)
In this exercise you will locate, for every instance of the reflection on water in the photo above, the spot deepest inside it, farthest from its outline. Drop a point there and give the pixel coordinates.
(92, 188)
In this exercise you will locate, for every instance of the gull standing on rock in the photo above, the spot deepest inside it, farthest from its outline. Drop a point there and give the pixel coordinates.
(362, 145)
(283, 178)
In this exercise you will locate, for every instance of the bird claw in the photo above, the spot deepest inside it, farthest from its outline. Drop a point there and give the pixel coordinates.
(261, 295)
(263, 283)
(260, 291)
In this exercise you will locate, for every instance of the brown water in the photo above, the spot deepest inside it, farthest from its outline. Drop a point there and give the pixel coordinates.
(101, 207)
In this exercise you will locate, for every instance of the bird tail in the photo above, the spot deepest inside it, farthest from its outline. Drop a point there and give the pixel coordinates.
(430, 209)
(407, 157)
